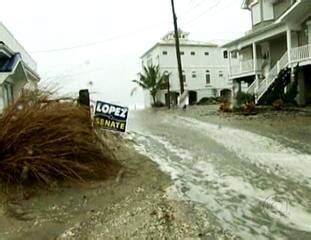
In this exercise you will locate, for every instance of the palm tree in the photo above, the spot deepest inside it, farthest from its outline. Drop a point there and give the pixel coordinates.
(151, 79)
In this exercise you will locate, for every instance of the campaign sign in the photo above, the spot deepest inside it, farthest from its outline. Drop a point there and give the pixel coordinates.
(110, 116)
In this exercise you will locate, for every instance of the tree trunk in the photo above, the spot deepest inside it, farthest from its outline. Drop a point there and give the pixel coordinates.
(154, 99)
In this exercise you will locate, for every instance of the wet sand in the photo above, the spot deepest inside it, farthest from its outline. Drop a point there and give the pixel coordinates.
(132, 206)
(136, 204)
(291, 126)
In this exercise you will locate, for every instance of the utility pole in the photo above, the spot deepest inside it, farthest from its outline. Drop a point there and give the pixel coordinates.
(181, 81)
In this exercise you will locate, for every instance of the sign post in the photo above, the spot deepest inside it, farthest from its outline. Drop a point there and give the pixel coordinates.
(110, 116)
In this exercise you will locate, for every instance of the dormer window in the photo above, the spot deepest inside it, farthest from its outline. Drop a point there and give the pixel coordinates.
(256, 12)
(261, 10)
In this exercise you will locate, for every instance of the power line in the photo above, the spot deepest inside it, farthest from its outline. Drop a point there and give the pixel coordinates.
(207, 11)
(97, 42)
(139, 31)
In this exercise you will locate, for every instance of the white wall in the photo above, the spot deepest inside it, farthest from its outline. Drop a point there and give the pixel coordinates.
(14, 45)
(198, 63)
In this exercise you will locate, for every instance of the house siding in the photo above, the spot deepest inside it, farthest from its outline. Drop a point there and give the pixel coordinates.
(280, 7)
(277, 49)
(206, 58)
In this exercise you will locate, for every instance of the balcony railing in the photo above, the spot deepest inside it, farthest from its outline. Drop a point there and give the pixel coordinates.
(245, 67)
(301, 53)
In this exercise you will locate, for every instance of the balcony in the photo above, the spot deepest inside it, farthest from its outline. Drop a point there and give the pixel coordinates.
(301, 54)
(245, 68)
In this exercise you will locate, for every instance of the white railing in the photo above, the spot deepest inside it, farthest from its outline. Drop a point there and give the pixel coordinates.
(259, 87)
(283, 61)
(301, 53)
(246, 66)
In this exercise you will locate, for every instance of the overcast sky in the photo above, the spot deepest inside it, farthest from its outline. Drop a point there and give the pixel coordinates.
(77, 41)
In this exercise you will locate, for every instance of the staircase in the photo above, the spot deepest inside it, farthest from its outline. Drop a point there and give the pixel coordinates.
(260, 86)
(297, 55)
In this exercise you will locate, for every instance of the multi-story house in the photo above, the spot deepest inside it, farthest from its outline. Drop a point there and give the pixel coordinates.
(205, 68)
(17, 68)
(279, 41)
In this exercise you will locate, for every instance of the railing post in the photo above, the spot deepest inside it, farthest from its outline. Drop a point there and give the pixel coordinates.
(289, 44)
(254, 57)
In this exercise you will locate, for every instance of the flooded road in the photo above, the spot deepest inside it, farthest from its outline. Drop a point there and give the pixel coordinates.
(251, 185)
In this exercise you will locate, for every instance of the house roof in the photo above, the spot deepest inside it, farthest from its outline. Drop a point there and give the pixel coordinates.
(14, 45)
(167, 41)
(14, 60)
(252, 34)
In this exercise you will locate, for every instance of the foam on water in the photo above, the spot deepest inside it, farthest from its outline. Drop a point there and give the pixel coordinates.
(197, 179)
(256, 148)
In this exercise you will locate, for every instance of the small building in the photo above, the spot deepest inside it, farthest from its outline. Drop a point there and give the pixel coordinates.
(17, 68)
(277, 47)
(205, 68)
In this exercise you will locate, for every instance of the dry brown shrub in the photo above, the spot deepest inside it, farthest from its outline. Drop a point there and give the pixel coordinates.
(249, 107)
(278, 104)
(225, 107)
(43, 140)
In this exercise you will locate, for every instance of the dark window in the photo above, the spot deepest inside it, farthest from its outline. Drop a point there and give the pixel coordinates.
(164, 52)
(206, 53)
(194, 74)
(192, 53)
(207, 77)
(234, 55)
(221, 74)
(182, 53)
(225, 54)
(184, 76)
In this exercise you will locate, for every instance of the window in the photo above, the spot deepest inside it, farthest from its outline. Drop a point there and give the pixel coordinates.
(192, 53)
(221, 74)
(208, 77)
(206, 53)
(182, 53)
(256, 13)
(234, 55)
(164, 52)
(225, 54)
(194, 74)
(184, 76)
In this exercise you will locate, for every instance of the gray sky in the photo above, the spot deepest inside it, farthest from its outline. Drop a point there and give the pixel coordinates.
(75, 41)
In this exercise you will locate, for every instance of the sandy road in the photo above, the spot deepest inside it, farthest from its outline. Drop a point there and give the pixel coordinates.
(251, 184)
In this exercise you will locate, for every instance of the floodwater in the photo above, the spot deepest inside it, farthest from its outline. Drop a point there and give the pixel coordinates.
(249, 184)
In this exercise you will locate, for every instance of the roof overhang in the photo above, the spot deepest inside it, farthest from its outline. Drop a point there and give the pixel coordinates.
(259, 35)
(182, 44)
(296, 12)
(245, 4)
(30, 73)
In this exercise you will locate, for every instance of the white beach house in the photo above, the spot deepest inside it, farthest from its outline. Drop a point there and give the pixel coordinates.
(205, 67)
(17, 68)
(279, 40)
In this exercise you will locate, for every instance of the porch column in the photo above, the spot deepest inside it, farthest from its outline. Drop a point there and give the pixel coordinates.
(309, 32)
(229, 60)
(289, 44)
(255, 57)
